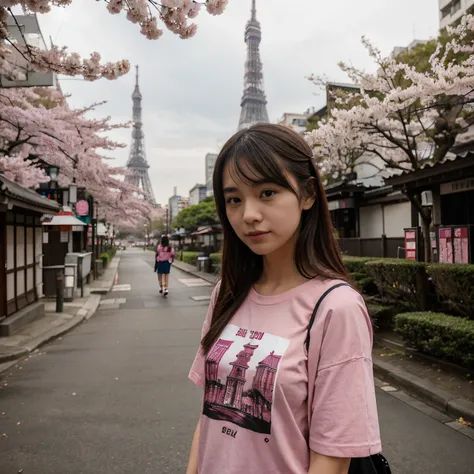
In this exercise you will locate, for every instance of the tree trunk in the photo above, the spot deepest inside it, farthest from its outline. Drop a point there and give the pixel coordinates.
(425, 226)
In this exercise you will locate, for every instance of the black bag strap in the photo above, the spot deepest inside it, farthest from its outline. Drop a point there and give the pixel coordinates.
(318, 304)
(376, 463)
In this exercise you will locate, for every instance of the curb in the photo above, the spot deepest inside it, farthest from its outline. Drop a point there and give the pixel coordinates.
(424, 390)
(84, 314)
(202, 276)
(105, 290)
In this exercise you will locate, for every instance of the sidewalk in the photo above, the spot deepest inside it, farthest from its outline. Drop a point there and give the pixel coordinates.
(53, 324)
(436, 384)
(191, 269)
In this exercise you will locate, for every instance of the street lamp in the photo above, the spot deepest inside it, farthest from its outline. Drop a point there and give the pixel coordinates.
(53, 172)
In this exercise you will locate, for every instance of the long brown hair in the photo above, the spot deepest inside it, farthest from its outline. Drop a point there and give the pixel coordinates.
(270, 152)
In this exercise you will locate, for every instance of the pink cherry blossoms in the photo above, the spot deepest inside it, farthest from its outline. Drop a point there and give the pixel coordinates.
(402, 118)
(174, 14)
(38, 129)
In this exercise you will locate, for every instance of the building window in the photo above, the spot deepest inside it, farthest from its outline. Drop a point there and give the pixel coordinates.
(455, 7)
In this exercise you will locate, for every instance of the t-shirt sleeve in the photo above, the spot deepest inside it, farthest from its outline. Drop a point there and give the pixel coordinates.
(342, 405)
(197, 372)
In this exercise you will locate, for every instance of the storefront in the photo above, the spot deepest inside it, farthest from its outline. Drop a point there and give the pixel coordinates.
(448, 189)
(343, 201)
(21, 245)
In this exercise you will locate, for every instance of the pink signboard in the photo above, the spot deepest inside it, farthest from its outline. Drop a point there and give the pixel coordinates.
(82, 208)
(461, 245)
(445, 245)
(410, 244)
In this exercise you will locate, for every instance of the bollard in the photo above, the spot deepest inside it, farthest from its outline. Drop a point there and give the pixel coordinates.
(79, 275)
(59, 290)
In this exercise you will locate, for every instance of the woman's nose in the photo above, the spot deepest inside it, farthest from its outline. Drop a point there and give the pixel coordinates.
(252, 213)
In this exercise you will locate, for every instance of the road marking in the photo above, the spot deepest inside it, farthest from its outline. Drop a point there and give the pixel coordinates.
(389, 388)
(106, 302)
(121, 288)
(201, 298)
(194, 282)
(113, 301)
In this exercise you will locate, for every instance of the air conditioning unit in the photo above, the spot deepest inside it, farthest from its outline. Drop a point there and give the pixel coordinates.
(427, 198)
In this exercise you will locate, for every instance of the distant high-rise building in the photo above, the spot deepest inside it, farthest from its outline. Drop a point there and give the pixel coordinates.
(402, 49)
(451, 11)
(254, 102)
(197, 194)
(137, 162)
(176, 204)
(210, 163)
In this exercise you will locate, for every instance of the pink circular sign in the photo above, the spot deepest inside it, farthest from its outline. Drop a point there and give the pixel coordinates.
(82, 208)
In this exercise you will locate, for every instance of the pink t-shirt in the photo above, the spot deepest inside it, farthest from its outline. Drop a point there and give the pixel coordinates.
(164, 254)
(266, 399)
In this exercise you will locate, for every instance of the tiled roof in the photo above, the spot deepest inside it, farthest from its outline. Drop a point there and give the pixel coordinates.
(20, 193)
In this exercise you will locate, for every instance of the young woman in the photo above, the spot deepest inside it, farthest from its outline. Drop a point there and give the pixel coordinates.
(270, 404)
(164, 259)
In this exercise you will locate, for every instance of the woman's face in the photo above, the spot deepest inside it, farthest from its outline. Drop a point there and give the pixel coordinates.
(264, 216)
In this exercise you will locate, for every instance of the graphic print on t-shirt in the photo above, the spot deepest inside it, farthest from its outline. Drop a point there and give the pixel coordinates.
(241, 371)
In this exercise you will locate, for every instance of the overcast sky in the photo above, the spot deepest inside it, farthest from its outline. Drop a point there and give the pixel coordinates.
(192, 88)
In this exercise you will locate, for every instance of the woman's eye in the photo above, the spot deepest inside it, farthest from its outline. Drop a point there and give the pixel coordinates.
(268, 193)
(233, 200)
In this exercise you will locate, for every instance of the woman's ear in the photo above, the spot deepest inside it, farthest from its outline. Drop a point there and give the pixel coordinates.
(310, 194)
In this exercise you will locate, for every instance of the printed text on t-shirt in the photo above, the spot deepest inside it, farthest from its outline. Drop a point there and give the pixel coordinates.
(253, 334)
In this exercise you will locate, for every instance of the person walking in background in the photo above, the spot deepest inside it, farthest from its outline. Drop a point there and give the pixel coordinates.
(163, 259)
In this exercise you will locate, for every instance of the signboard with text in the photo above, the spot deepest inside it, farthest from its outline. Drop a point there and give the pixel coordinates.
(411, 241)
(82, 208)
(461, 245)
(445, 245)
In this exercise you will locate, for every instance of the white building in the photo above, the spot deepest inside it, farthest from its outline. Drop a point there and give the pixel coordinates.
(210, 162)
(401, 49)
(451, 11)
(197, 194)
(25, 30)
(176, 204)
(295, 121)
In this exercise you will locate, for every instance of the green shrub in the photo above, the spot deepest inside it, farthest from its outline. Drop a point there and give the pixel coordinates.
(105, 257)
(382, 316)
(357, 264)
(188, 257)
(216, 259)
(446, 337)
(454, 285)
(402, 282)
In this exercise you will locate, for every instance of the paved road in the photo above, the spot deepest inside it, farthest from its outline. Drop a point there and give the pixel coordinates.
(113, 396)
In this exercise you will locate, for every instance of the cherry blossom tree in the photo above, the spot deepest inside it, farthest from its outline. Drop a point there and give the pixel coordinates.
(38, 129)
(404, 118)
(174, 14)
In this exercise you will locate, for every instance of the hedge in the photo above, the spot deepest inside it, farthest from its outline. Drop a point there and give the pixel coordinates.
(105, 257)
(188, 257)
(216, 258)
(403, 282)
(108, 255)
(446, 337)
(382, 316)
(356, 266)
(454, 285)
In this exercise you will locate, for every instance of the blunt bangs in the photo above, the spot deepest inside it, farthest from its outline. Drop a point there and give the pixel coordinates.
(252, 164)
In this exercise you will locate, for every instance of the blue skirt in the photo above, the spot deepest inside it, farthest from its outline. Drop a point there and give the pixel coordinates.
(163, 267)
